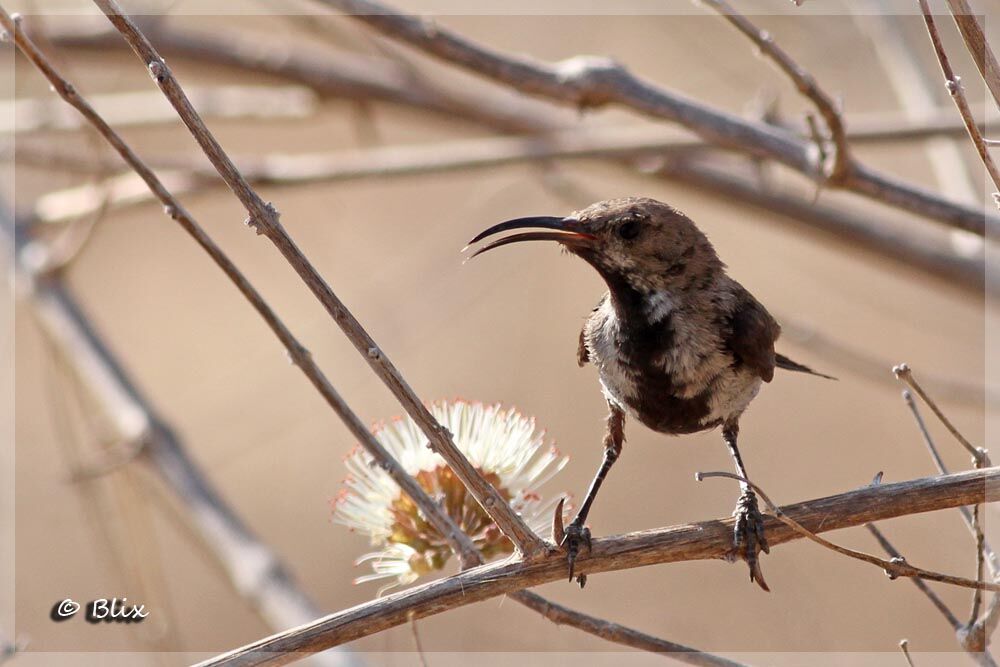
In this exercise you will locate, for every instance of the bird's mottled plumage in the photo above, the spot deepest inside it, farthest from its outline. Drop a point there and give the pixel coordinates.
(678, 344)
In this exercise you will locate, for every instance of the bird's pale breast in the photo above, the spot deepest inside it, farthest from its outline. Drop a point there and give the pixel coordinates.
(673, 374)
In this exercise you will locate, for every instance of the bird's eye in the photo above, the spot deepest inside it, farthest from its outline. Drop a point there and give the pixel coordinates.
(629, 230)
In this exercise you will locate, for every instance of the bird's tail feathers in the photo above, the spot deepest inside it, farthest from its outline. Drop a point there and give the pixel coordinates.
(781, 361)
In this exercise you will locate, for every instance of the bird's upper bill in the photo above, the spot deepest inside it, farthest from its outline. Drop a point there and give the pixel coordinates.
(567, 231)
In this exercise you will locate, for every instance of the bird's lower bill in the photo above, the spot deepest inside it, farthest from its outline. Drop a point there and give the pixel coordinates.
(564, 230)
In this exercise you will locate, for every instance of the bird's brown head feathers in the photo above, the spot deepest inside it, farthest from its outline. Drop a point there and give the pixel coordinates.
(648, 245)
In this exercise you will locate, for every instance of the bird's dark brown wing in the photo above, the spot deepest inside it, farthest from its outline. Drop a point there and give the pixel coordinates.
(752, 333)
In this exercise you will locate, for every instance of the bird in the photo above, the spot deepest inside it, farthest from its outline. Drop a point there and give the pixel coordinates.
(678, 344)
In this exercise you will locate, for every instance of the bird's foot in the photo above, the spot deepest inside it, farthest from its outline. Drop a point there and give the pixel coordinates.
(749, 535)
(576, 536)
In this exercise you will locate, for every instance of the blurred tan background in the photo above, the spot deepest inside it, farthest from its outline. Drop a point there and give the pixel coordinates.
(502, 328)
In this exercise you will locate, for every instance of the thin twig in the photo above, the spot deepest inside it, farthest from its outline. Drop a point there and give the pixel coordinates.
(904, 646)
(704, 540)
(943, 469)
(838, 167)
(897, 567)
(934, 598)
(416, 641)
(903, 372)
(589, 82)
(977, 595)
(954, 85)
(620, 634)
(264, 220)
(975, 40)
(916, 88)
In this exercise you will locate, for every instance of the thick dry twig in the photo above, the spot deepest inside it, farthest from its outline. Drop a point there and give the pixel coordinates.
(898, 567)
(839, 166)
(975, 40)
(264, 220)
(705, 540)
(954, 85)
(589, 82)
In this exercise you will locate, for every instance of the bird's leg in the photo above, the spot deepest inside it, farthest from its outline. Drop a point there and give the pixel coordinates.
(749, 530)
(577, 533)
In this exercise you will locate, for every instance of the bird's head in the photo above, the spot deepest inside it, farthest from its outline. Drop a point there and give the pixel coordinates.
(636, 242)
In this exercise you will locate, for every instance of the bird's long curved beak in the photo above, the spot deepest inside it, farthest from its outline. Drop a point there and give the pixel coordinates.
(567, 231)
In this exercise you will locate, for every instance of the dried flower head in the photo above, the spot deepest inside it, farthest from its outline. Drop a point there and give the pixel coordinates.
(501, 443)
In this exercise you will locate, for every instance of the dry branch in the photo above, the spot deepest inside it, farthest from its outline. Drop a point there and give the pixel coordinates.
(975, 40)
(589, 82)
(954, 86)
(347, 76)
(620, 634)
(629, 144)
(264, 220)
(700, 541)
(369, 79)
(838, 168)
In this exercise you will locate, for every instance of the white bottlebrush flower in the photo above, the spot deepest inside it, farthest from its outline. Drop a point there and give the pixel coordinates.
(504, 447)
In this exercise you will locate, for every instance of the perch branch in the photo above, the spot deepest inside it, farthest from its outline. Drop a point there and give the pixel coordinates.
(898, 567)
(954, 85)
(590, 82)
(699, 541)
(264, 220)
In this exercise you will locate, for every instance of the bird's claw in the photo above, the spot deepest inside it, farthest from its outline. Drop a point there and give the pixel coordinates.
(748, 535)
(576, 535)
